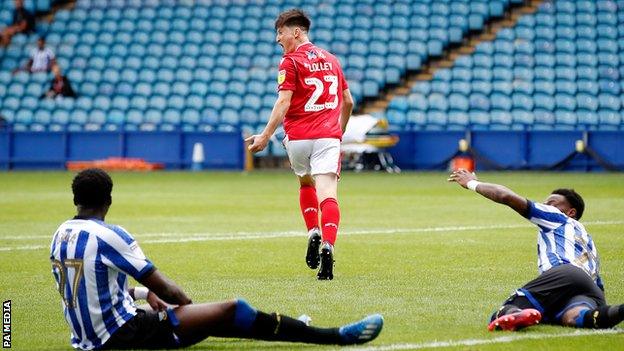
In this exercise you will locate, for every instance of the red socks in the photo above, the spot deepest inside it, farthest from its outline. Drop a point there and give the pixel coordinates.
(309, 206)
(330, 214)
(330, 218)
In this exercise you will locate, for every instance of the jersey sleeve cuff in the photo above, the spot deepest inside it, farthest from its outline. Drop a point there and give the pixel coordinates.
(146, 271)
(530, 209)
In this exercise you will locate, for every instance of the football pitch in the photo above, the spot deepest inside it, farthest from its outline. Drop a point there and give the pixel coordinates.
(436, 260)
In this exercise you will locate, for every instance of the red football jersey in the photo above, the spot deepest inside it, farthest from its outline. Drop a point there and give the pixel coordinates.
(316, 79)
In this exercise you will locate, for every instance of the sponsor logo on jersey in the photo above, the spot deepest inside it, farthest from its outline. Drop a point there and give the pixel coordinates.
(281, 76)
(311, 55)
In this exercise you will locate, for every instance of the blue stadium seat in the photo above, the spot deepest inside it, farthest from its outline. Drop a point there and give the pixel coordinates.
(609, 102)
(458, 102)
(479, 120)
(609, 120)
(587, 119)
(479, 102)
(501, 102)
(544, 102)
(461, 87)
(522, 117)
(609, 86)
(543, 119)
(102, 103)
(565, 102)
(501, 120)
(565, 86)
(115, 119)
(441, 87)
(586, 102)
(417, 101)
(483, 74)
(175, 102)
(522, 102)
(565, 119)
(587, 72)
(545, 87)
(399, 103)
(464, 74)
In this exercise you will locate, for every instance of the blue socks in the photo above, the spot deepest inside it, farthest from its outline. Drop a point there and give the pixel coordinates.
(245, 315)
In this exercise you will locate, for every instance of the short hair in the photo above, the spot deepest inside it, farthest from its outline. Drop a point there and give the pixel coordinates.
(92, 188)
(293, 17)
(574, 199)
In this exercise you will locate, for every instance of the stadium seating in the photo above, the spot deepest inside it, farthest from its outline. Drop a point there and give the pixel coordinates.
(152, 65)
(559, 68)
(169, 65)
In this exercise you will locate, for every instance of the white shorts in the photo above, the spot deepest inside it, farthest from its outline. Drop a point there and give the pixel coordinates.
(314, 156)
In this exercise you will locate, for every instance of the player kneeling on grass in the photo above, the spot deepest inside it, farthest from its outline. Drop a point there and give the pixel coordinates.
(91, 261)
(569, 290)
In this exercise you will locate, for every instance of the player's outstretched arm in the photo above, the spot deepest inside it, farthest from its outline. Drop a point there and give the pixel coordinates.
(165, 289)
(495, 192)
(260, 141)
(347, 108)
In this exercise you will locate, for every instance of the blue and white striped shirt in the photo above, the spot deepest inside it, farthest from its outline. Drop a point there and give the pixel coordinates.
(563, 240)
(90, 263)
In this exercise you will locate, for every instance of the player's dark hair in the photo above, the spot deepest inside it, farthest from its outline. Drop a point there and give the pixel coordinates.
(293, 18)
(92, 188)
(574, 199)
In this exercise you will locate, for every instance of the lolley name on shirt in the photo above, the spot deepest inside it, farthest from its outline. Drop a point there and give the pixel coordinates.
(318, 66)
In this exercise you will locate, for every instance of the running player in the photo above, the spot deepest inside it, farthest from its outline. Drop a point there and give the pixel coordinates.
(569, 290)
(91, 261)
(314, 104)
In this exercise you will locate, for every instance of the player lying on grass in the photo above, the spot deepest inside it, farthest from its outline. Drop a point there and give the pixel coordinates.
(569, 290)
(91, 261)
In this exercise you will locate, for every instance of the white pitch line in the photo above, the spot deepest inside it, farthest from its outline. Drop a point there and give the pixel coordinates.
(496, 340)
(198, 237)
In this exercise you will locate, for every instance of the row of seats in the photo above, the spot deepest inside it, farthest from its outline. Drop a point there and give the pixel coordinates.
(34, 6)
(542, 73)
(505, 120)
(162, 9)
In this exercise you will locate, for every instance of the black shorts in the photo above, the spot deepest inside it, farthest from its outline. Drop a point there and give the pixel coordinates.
(557, 290)
(146, 330)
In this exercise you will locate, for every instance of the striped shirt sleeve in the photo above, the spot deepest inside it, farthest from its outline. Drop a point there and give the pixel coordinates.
(124, 254)
(545, 216)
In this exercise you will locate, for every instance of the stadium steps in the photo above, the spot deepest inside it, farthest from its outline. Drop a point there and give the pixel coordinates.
(511, 17)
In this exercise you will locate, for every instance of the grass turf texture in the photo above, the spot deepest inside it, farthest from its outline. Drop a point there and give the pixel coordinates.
(436, 284)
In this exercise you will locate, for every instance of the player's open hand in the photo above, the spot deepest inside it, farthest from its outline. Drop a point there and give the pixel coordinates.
(155, 302)
(257, 142)
(462, 177)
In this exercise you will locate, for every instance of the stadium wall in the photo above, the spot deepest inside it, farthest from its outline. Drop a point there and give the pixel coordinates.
(417, 150)
(532, 150)
(51, 150)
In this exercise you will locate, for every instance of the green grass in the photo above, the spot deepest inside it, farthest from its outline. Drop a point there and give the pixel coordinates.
(429, 285)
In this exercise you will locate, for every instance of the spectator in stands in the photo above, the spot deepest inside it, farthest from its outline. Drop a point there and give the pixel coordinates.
(3, 123)
(23, 22)
(42, 59)
(60, 85)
